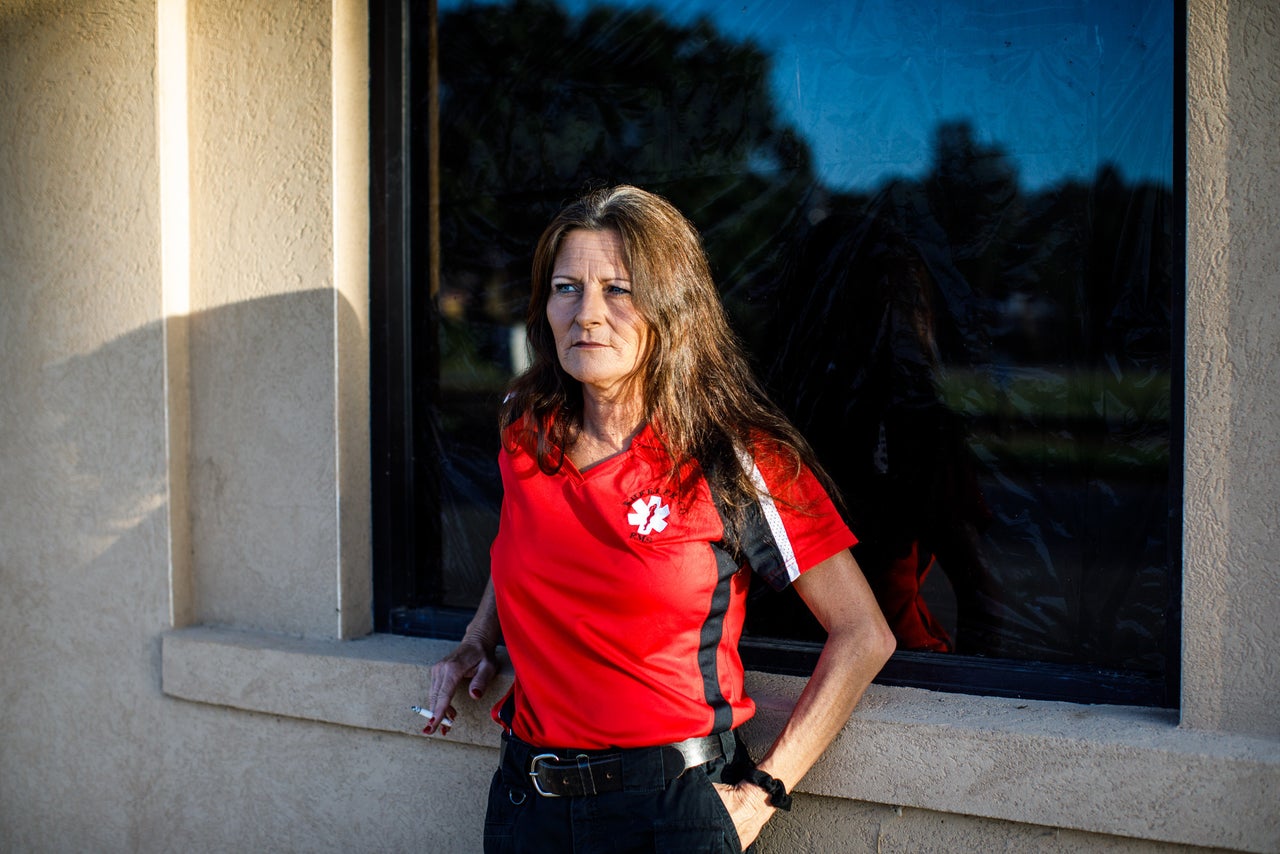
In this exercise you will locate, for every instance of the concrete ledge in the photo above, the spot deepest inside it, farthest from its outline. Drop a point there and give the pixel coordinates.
(1103, 769)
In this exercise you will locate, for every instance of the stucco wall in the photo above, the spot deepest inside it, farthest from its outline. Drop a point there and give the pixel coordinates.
(272, 325)
(1232, 535)
(186, 441)
(82, 427)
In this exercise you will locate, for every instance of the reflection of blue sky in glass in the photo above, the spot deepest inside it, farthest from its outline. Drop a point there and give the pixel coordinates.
(1061, 86)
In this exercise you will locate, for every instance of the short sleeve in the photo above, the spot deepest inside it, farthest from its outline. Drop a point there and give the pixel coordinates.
(793, 524)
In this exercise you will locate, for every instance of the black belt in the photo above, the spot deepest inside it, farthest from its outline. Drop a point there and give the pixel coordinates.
(574, 773)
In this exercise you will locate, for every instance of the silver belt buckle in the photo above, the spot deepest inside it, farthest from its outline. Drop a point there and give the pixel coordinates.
(533, 773)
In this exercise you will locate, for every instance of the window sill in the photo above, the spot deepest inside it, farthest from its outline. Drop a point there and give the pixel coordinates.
(1104, 769)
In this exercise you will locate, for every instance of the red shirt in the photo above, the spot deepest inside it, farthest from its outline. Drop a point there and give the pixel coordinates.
(621, 607)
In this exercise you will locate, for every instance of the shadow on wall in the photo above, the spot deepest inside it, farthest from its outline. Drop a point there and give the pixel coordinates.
(89, 439)
(85, 534)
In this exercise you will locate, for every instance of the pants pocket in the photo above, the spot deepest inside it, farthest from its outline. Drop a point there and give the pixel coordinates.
(500, 816)
(702, 824)
(692, 840)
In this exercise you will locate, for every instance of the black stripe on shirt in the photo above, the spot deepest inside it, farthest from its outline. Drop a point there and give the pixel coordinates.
(755, 546)
(709, 641)
(760, 549)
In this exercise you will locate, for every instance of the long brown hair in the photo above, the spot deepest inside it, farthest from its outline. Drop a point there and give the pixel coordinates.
(696, 386)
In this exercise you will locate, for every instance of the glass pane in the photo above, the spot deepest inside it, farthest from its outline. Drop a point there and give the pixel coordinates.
(944, 230)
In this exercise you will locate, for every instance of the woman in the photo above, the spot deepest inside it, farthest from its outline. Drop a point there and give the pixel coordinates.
(645, 477)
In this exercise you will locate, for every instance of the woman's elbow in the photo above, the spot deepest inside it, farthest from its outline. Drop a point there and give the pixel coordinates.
(867, 640)
(885, 644)
(876, 642)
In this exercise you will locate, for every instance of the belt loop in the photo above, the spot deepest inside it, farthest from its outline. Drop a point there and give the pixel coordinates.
(729, 744)
(584, 765)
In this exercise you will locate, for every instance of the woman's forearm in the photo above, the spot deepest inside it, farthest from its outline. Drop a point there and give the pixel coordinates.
(859, 642)
(850, 659)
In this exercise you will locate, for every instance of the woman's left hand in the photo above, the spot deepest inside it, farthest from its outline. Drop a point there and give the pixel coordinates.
(748, 806)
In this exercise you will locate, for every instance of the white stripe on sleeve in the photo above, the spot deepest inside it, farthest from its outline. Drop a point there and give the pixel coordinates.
(773, 517)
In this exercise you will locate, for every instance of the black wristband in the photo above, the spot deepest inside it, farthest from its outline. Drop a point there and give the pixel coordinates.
(778, 796)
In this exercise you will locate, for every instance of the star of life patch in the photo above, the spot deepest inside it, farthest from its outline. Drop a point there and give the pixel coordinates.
(649, 515)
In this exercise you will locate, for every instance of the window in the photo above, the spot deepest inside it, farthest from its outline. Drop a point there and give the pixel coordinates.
(949, 233)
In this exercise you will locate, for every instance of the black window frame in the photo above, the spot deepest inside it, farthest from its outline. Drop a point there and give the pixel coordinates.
(404, 347)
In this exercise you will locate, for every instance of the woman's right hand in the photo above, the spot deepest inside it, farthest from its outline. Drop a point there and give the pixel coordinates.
(473, 659)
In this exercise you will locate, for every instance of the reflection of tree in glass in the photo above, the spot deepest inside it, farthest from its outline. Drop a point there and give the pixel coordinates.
(536, 105)
(974, 194)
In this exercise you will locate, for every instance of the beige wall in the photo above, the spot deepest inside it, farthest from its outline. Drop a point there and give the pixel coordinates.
(183, 440)
(1231, 634)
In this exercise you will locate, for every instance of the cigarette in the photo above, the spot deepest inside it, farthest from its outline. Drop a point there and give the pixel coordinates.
(430, 715)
